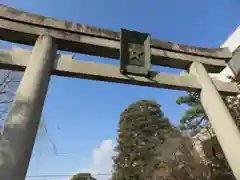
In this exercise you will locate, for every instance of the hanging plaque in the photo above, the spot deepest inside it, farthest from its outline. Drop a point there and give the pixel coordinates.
(135, 52)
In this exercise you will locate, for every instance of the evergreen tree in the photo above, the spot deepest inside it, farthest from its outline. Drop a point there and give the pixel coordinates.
(194, 118)
(83, 176)
(142, 127)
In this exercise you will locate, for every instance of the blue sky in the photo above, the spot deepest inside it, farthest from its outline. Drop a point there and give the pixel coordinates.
(83, 115)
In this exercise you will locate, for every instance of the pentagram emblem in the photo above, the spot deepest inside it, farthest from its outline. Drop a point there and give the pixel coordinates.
(136, 54)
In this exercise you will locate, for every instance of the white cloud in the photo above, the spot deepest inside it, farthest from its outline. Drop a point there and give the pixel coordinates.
(101, 162)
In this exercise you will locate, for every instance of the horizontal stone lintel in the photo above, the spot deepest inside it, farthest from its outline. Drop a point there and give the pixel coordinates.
(65, 65)
(22, 27)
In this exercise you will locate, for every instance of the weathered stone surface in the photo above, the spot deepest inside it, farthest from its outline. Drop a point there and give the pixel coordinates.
(17, 59)
(24, 28)
(18, 15)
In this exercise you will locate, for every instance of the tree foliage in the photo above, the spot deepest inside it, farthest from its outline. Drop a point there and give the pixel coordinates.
(141, 128)
(194, 118)
(149, 147)
(179, 160)
(83, 176)
(233, 103)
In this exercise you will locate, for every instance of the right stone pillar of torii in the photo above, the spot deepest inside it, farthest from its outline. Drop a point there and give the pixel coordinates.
(221, 123)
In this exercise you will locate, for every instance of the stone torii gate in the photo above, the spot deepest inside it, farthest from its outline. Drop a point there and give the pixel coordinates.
(136, 51)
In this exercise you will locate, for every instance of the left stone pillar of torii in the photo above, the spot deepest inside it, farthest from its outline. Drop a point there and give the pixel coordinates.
(20, 129)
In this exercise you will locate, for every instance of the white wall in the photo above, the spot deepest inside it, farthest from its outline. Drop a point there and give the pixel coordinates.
(232, 42)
